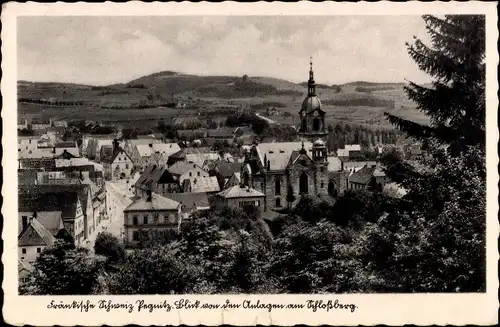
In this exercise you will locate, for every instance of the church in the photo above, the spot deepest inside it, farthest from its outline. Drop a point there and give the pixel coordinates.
(299, 168)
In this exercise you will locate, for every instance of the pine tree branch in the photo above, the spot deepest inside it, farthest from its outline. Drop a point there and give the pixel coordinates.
(422, 132)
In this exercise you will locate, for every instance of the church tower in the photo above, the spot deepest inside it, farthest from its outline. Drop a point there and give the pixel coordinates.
(312, 117)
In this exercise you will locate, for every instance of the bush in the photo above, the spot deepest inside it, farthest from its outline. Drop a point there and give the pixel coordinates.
(108, 246)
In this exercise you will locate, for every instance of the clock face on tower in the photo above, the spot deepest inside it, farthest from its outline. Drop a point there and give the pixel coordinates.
(315, 114)
(303, 113)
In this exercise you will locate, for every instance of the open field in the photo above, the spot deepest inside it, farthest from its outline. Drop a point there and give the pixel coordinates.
(357, 102)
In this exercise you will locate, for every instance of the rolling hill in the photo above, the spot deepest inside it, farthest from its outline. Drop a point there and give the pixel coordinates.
(345, 101)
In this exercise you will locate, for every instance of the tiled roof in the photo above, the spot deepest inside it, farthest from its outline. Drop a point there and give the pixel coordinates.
(157, 202)
(189, 133)
(278, 154)
(202, 184)
(151, 174)
(35, 234)
(146, 150)
(143, 140)
(364, 175)
(238, 191)
(158, 159)
(181, 154)
(200, 158)
(64, 202)
(235, 178)
(190, 201)
(36, 153)
(110, 157)
(21, 265)
(72, 191)
(181, 167)
(227, 169)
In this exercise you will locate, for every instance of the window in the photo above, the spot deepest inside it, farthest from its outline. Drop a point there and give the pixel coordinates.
(145, 220)
(277, 202)
(303, 183)
(277, 186)
(322, 169)
(134, 220)
(190, 174)
(24, 251)
(322, 185)
(126, 166)
(38, 250)
(135, 236)
(198, 173)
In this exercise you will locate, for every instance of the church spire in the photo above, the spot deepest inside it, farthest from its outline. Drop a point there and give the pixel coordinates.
(311, 85)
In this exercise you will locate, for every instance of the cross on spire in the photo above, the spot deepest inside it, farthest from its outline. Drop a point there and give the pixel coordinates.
(311, 84)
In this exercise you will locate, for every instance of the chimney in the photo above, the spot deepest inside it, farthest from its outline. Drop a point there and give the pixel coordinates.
(54, 150)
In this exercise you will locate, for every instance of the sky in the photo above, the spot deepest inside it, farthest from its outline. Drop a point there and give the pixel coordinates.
(104, 50)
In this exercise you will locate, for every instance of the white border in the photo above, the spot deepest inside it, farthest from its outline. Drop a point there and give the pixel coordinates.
(390, 309)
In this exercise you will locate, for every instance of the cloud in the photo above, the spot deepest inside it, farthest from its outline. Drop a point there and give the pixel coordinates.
(104, 50)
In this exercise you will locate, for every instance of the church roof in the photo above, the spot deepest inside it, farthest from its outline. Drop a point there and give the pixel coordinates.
(311, 103)
(278, 154)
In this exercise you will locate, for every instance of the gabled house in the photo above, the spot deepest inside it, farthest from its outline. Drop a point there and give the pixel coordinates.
(233, 180)
(202, 184)
(33, 240)
(156, 179)
(146, 216)
(24, 270)
(136, 153)
(156, 153)
(190, 202)
(184, 155)
(41, 123)
(239, 196)
(368, 177)
(49, 202)
(117, 164)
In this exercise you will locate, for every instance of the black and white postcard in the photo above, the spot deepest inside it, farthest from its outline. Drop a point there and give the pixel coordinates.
(261, 163)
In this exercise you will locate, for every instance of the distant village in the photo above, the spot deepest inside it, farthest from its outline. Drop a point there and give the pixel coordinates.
(73, 185)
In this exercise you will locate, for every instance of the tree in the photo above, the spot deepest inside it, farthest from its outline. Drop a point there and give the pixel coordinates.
(456, 101)
(154, 270)
(373, 186)
(65, 270)
(443, 212)
(108, 246)
(313, 258)
(245, 78)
